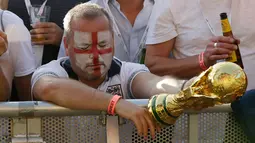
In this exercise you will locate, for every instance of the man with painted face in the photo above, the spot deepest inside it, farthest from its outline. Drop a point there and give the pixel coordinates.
(91, 78)
(93, 53)
(130, 23)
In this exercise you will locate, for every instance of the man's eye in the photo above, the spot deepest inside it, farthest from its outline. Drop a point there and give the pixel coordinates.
(84, 46)
(102, 44)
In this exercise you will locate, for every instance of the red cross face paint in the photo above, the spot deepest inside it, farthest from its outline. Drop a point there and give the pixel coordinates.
(93, 52)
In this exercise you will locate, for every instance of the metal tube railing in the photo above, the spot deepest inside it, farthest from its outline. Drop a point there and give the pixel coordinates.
(39, 109)
(42, 109)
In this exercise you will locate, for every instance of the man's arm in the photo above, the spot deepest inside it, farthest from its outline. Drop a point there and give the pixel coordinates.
(6, 76)
(5, 68)
(21, 52)
(146, 84)
(69, 93)
(75, 95)
(158, 61)
(4, 86)
(23, 87)
(161, 41)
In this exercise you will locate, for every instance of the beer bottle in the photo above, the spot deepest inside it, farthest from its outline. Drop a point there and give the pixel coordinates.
(143, 53)
(235, 57)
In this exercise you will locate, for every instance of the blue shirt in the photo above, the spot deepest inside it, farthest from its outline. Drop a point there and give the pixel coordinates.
(127, 38)
(132, 35)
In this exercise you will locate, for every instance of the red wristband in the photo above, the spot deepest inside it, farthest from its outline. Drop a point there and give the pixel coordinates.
(112, 104)
(201, 61)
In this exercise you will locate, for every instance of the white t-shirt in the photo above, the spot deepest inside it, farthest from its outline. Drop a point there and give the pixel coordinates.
(119, 81)
(19, 44)
(119, 78)
(194, 22)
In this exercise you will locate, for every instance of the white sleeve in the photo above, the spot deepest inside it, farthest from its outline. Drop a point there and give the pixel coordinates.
(162, 27)
(19, 44)
(128, 72)
(51, 69)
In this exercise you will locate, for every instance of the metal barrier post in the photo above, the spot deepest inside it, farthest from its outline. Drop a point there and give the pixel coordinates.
(193, 128)
(19, 130)
(34, 128)
(26, 130)
(112, 129)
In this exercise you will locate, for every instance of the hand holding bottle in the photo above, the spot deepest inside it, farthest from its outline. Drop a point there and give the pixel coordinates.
(219, 48)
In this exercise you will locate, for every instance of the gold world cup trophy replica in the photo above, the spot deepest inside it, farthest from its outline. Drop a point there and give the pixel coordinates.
(219, 84)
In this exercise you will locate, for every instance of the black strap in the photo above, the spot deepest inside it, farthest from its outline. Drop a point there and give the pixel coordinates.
(1, 18)
(66, 64)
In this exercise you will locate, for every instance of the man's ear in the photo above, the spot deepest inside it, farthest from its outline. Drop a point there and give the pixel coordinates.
(66, 45)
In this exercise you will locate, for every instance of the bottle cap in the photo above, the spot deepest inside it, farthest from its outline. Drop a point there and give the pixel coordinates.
(223, 15)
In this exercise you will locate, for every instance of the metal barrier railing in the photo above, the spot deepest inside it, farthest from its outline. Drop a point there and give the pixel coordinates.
(26, 119)
(39, 109)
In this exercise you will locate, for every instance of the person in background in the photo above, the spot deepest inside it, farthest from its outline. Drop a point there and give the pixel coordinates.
(130, 24)
(53, 30)
(18, 61)
(185, 38)
(244, 111)
(188, 28)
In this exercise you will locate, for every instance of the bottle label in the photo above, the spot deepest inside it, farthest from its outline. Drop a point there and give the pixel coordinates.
(232, 57)
(225, 26)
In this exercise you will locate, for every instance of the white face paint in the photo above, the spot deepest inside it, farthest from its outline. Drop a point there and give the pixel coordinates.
(93, 52)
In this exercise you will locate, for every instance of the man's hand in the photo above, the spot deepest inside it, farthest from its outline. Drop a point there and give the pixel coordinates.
(50, 32)
(225, 46)
(3, 43)
(140, 116)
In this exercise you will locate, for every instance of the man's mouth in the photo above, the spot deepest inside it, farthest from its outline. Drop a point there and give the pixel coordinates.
(95, 66)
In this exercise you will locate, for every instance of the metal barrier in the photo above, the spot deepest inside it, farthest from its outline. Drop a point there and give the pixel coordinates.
(39, 122)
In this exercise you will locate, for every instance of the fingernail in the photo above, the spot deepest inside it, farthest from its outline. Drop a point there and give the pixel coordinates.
(235, 47)
(154, 137)
(232, 40)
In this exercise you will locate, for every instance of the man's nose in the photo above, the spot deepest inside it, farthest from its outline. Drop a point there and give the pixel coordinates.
(95, 54)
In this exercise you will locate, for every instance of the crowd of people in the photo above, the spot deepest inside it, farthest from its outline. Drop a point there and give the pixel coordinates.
(92, 52)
